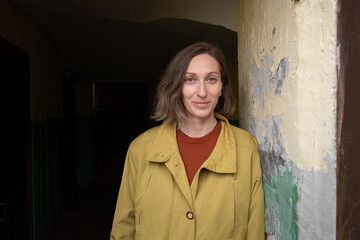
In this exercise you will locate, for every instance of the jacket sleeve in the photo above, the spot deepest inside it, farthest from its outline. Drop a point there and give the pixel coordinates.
(124, 218)
(256, 220)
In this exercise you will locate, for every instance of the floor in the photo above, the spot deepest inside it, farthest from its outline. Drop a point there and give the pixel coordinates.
(90, 213)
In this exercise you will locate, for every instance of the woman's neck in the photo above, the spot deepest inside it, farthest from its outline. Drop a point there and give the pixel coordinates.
(195, 127)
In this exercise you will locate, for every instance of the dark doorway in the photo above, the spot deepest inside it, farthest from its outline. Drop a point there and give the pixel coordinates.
(15, 170)
(120, 114)
(121, 111)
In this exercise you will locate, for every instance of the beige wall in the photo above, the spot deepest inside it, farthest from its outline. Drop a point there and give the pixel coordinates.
(46, 67)
(287, 87)
(224, 13)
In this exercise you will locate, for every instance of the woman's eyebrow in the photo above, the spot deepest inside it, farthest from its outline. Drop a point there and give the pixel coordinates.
(190, 73)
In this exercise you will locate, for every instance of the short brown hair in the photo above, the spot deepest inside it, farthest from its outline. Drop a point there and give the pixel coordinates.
(169, 105)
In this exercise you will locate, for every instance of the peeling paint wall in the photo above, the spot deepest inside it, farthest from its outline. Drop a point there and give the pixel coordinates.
(287, 88)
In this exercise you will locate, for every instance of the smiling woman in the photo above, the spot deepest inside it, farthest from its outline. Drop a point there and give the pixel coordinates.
(170, 105)
(173, 170)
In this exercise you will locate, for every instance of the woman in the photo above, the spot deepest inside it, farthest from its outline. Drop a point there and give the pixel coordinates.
(195, 176)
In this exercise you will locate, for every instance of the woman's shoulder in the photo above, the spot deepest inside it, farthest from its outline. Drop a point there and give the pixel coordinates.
(145, 137)
(243, 137)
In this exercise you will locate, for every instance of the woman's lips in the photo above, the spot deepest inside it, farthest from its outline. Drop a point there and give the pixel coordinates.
(201, 104)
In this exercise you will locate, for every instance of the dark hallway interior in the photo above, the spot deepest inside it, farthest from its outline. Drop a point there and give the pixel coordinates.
(69, 188)
(14, 143)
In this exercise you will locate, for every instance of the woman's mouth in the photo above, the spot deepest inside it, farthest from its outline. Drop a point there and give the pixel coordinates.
(201, 104)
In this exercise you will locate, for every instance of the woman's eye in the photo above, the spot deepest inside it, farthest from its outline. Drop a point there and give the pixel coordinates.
(212, 79)
(190, 79)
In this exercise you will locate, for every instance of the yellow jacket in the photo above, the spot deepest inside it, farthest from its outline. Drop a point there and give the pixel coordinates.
(224, 201)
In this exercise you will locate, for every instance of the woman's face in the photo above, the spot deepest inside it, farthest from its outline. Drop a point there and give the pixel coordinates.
(202, 87)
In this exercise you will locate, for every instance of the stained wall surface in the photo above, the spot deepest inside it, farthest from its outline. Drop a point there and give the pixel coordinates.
(287, 87)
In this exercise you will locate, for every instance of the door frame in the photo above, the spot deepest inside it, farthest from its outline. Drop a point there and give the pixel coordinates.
(348, 119)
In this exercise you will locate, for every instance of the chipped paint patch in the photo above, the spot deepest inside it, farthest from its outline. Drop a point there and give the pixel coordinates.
(281, 198)
(273, 93)
(280, 185)
(280, 74)
(264, 80)
(261, 78)
(272, 150)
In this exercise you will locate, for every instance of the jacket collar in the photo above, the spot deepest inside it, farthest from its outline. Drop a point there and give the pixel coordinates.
(221, 160)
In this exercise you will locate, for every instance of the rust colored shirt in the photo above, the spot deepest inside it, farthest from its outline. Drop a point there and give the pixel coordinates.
(195, 151)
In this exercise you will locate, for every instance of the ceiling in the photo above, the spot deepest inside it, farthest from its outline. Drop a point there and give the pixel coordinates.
(110, 40)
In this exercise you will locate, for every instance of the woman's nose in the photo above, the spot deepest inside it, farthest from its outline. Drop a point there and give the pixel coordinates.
(202, 90)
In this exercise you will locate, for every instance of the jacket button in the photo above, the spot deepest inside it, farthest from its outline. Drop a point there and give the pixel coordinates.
(190, 215)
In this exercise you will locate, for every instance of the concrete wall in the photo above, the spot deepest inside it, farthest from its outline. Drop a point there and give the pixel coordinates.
(287, 86)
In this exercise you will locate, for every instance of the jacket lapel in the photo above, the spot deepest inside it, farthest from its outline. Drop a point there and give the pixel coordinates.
(221, 160)
(165, 150)
(223, 157)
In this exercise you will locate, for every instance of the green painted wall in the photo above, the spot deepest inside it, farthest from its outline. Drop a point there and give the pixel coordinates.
(281, 200)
